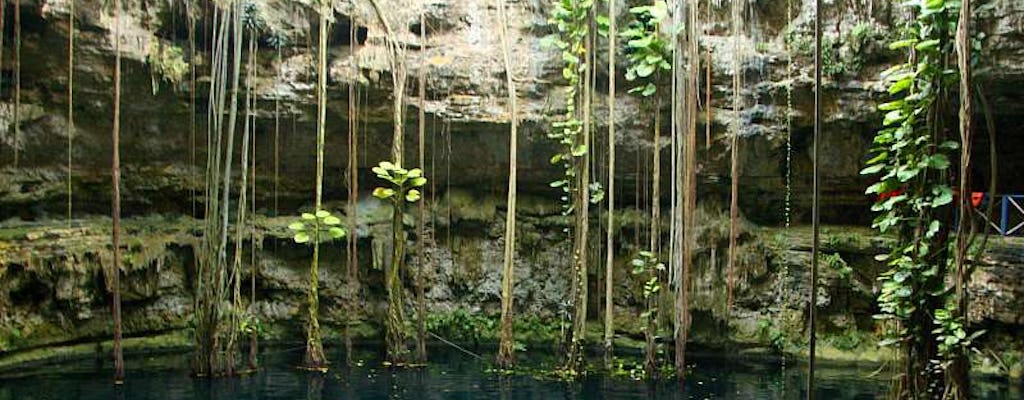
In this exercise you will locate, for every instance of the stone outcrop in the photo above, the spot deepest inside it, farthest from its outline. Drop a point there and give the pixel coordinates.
(53, 290)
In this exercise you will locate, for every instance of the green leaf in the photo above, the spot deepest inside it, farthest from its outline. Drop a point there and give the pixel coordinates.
(418, 181)
(331, 220)
(579, 151)
(383, 193)
(892, 105)
(649, 90)
(900, 44)
(644, 70)
(323, 214)
(301, 237)
(297, 226)
(893, 117)
(412, 195)
(874, 169)
(927, 44)
(308, 216)
(937, 161)
(901, 85)
(336, 232)
(943, 195)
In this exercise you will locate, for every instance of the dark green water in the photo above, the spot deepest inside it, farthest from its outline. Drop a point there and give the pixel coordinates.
(451, 375)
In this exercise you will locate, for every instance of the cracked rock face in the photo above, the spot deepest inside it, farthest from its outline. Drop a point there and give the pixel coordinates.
(164, 142)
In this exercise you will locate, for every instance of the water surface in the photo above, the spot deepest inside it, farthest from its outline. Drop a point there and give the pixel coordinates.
(450, 375)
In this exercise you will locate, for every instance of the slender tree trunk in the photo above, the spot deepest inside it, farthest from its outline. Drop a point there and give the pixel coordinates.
(192, 106)
(737, 103)
(71, 103)
(609, 267)
(506, 347)
(315, 358)
(421, 306)
(3, 32)
(249, 137)
(115, 208)
(960, 369)
(395, 337)
(353, 201)
(689, 188)
(574, 359)
(651, 334)
(17, 82)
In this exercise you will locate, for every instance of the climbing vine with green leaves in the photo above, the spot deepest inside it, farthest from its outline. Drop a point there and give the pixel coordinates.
(911, 157)
(648, 269)
(648, 51)
(572, 21)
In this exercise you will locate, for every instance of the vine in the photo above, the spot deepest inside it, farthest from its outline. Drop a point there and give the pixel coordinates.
(573, 20)
(912, 159)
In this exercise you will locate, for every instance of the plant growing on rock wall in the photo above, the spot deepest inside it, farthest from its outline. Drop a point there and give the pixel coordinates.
(402, 187)
(313, 228)
(648, 52)
(647, 267)
(912, 162)
(574, 20)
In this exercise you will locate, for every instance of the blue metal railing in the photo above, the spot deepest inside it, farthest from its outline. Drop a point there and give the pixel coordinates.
(1010, 209)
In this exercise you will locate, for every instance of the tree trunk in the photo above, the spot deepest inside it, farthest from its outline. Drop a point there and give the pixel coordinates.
(506, 347)
(609, 282)
(115, 207)
(315, 358)
(397, 352)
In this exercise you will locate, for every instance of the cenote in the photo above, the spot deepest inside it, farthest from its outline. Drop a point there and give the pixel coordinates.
(510, 199)
(451, 375)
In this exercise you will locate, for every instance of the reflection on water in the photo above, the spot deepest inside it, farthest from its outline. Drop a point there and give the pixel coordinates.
(449, 376)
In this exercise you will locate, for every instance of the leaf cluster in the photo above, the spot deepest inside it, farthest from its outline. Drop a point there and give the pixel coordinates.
(647, 51)
(314, 226)
(912, 162)
(403, 183)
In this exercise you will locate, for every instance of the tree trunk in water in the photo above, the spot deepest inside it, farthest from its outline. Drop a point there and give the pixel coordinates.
(651, 334)
(421, 306)
(689, 188)
(737, 103)
(395, 338)
(958, 374)
(397, 352)
(506, 347)
(609, 283)
(353, 201)
(315, 358)
(574, 358)
(115, 208)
